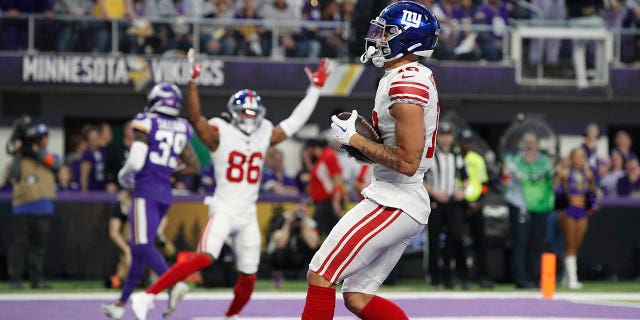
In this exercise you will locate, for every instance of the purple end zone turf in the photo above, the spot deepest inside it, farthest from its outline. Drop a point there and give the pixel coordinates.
(89, 309)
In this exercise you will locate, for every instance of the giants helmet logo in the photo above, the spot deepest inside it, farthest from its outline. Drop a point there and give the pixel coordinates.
(410, 19)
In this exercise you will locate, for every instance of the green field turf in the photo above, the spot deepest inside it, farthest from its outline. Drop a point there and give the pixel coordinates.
(264, 285)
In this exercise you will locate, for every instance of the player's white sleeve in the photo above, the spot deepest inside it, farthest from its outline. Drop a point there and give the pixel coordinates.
(301, 113)
(135, 162)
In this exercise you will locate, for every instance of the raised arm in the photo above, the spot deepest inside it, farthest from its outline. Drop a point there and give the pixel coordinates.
(209, 136)
(406, 155)
(303, 111)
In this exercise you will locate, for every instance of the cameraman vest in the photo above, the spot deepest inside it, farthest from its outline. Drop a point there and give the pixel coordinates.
(34, 189)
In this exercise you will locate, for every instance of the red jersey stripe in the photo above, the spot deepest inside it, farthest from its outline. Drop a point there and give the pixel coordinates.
(367, 238)
(409, 90)
(353, 241)
(410, 83)
(346, 236)
(416, 98)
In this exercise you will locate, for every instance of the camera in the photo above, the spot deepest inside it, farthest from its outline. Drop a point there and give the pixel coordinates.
(299, 214)
(24, 135)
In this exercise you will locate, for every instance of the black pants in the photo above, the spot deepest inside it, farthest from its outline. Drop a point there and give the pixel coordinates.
(447, 219)
(529, 234)
(325, 217)
(28, 241)
(476, 229)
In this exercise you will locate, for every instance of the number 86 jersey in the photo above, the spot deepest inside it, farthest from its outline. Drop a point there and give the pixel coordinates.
(238, 163)
(167, 138)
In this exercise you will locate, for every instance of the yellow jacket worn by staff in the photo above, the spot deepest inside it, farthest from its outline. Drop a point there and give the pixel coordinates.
(477, 176)
(34, 189)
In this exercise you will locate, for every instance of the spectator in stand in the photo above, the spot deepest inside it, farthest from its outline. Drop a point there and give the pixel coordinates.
(584, 13)
(65, 180)
(629, 184)
(280, 10)
(578, 185)
(618, 16)
(116, 154)
(274, 179)
(292, 243)
(496, 14)
(304, 175)
(591, 134)
(552, 12)
(454, 43)
(92, 165)
(109, 10)
(111, 155)
(609, 183)
(325, 186)
(530, 196)
(311, 12)
(249, 36)
(623, 144)
(333, 45)
(73, 34)
(14, 26)
(74, 158)
(218, 40)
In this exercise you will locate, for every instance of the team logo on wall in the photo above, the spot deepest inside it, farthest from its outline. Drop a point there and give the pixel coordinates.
(103, 70)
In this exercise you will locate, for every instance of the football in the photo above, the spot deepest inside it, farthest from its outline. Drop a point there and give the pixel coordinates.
(364, 128)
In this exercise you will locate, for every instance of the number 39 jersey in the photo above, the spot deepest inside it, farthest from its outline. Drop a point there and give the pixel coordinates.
(238, 163)
(167, 138)
(411, 83)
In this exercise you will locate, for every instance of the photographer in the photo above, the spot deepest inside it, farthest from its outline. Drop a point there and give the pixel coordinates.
(293, 242)
(32, 176)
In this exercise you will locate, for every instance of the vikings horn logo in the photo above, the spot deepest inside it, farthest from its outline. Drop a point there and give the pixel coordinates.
(139, 73)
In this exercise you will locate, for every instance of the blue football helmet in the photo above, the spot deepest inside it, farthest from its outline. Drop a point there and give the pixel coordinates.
(247, 110)
(400, 29)
(165, 98)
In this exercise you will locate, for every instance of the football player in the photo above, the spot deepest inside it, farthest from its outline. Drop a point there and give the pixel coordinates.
(367, 242)
(160, 138)
(238, 148)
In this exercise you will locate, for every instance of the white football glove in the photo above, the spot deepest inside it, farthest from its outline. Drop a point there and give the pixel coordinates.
(196, 69)
(126, 181)
(343, 130)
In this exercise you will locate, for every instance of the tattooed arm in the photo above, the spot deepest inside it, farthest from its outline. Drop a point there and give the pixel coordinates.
(405, 156)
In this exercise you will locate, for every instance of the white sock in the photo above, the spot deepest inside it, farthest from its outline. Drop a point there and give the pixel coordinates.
(571, 269)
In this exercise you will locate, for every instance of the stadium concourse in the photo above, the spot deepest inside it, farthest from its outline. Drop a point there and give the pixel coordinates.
(286, 306)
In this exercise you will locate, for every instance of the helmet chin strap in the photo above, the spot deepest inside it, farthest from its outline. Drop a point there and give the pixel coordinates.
(367, 54)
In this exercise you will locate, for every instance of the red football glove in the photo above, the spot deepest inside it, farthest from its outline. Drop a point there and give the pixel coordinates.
(195, 68)
(320, 76)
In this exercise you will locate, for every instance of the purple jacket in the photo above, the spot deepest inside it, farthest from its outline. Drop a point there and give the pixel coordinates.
(29, 6)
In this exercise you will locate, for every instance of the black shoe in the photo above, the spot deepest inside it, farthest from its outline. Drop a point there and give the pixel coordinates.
(449, 284)
(40, 285)
(524, 285)
(486, 284)
(15, 285)
(465, 286)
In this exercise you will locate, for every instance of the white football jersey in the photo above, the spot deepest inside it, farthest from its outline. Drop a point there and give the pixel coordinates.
(411, 83)
(238, 163)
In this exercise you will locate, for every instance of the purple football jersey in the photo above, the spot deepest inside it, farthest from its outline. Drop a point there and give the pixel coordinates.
(167, 138)
(96, 175)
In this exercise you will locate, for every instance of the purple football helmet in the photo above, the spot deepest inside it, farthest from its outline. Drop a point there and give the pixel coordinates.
(402, 28)
(165, 98)
(247, 110)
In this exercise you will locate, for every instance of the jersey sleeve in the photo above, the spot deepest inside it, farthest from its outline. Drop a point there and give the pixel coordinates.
(141, 122)
(333, 164)
(409, 86)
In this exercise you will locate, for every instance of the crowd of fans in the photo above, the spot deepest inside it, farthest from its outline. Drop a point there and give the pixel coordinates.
(140, 31)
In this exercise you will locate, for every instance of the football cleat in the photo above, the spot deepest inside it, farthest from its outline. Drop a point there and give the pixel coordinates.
(175, 296)
(141, 303)
(113, 311)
